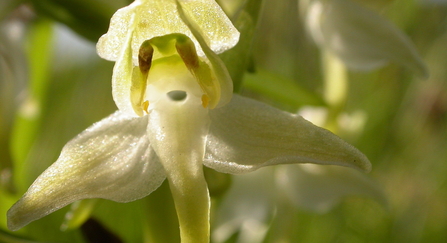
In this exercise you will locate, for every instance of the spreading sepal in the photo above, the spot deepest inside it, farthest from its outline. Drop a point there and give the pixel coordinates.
(112, 160)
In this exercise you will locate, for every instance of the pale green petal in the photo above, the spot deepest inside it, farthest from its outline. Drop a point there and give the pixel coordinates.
(246, 135)
(111, 160)
(160, 17)
(109, 45)
(361, 38)
(178, 124)
(216, 28)
(122, 76)
(319, 188)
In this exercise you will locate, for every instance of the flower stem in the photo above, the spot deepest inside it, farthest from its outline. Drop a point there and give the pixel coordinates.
(193, 205)
(335, 88)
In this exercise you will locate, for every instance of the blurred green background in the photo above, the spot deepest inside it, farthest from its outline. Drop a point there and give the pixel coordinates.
(53, 86)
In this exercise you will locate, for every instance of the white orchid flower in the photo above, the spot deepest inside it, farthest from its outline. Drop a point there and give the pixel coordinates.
(320, 188)
(176, 113)
(249, 206)
(361, 38)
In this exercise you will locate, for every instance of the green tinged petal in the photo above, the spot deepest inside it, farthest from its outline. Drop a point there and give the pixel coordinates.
(319, 188)
(123, 75)
(246, 135)
(361, 38)
(110, 160)
(161, 17)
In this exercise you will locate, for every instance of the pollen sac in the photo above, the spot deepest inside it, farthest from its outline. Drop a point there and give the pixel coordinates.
(138, 91)
(200, 69)
(187, 51)
(139, 78)
(145, 57)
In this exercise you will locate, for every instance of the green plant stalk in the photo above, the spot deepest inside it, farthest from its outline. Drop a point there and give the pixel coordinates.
(335, 88)
(237, 59)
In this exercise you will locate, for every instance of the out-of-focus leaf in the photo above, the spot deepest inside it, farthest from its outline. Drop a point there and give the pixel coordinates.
(152, 219)
(7, 238)
(237, 59)
(88, 18)
(6, 201)
(281, 89)
(160, 222)
(47, 230)
(28, 117)
(79, 213)
(218, 183)
(6, 6)
(13, 77)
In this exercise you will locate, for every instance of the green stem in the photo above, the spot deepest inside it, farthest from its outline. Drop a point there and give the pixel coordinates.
(335, 88)
(192, 202)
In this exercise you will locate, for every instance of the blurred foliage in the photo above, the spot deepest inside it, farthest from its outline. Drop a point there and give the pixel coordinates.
(68, 89)
(79, 14)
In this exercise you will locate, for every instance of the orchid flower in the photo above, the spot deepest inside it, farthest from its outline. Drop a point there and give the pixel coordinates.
(176, 113)
(252, 204)
(361, 38)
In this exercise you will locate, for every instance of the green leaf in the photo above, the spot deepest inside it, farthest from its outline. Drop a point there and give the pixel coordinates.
(6, 201)
(79, 14)
(152, 219)
(160, 222)
(237, 59)
(281, 89)
(79, 213)
(25, 128)
(8, 238)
